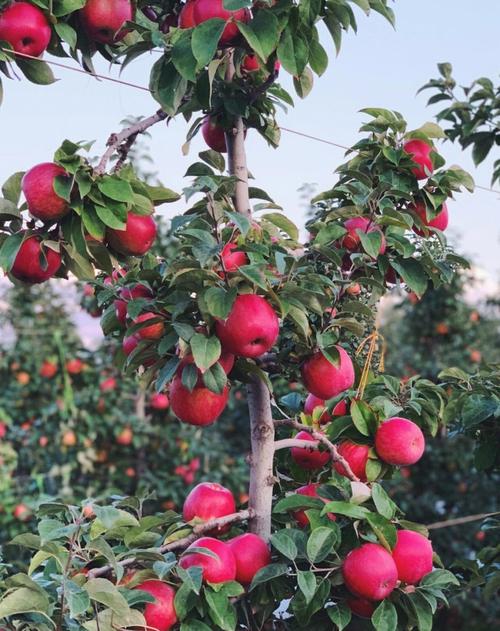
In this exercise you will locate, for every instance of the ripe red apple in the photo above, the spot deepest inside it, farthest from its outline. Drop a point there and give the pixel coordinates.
(74, 366)
(21, 512)
(153, 331)
(219, 570)
(103, 19)
(440, 221)
(351, 240)
(399, 441)
(161, 614)
(370, 572)
(207, 9)
(136, 239)
(250, 63)
(108, 384)
(251, 554)
(312, 402)
(186, 17)
(199, 407)
(213, 135)
(38, 188)
(251, 328)
(125, 437)
(325, 380)
(420, 152)
(309, 459)
(232, 258)
(25, 28)
(31, 265)
(356, 457)
(3, 429)
(159, 401)
(413, 556)
(226, 361)
(48, 369)
(69, 438)
(129, 344)
(361, 607)
(209, 500)
(126, 294)
(311, 490)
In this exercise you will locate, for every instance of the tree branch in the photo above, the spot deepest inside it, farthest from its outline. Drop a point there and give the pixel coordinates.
(336, 457)
(123, 141)
(198, 531)
(460, 520)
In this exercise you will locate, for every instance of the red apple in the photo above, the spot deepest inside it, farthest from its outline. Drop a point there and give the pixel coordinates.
(232, 258)
(161, 614)
(251, 328)
(310, 490)
(213, 135)
(38, 188)
(309, 459)
(207, 9)
(126, 294)
(108, 384)
(360, 606)
(420, 152)
(159, 401)
(129, 344)
(3, 429)
(21, 512)
(153, 331)
(250, 63)
(226, 361)
(370, 572)
(186, 18)
(356, 457)
(32, 265)
(209, 500)
(440, 221)
(215, 570)
(103, 19)
(413, 556)
(201, 406)
(48, 369)
(25, 28)
(251, 554)
(312, 402)
(125, 437)
(399, 441)
(351, 240)
(74, 366)
(136, 239)
(325, 380)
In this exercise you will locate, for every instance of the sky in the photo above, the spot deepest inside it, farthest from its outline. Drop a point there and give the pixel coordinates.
(378, 67)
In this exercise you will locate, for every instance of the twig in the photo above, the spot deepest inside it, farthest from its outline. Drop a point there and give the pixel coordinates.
(336, 457)
(460, 520)
(198, 531)
(287, 443)
(123, 141)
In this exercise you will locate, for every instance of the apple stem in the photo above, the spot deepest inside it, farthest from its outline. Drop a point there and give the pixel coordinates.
(259, 398)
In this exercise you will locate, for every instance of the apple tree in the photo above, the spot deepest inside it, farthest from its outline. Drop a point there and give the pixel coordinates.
(242, 302)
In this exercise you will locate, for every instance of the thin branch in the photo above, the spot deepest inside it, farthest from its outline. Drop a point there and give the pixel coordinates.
(288, 443)
(336, 457)
(198, 531)
(123, 141)
(460, 520)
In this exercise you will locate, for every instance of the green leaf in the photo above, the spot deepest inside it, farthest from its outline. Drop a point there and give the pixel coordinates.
(205, 39)
(320, 543)
(111, 517)
(254, 274)
(385, 617)
(261, 33)
(422, 610)
(385, 531)
(115, 188)
(194, 625)
(284, 224)
(36, 71)
(182, 55)
(103, 591)
(67, 33)
(268, 573)
(371, 242)
(318, 58)
(9, 249)
(383, 503)
(340, 615)
(167, 85)
(77, 599)
(412, 273)
(477, 408)
(11, 188)
(363, 417)
(439, 578)
(219, 301)
(296, 502)
(221, 610)
(292, 52)
(307, 584)
(347, 509)
(23, 600)
(304, 83)
(284, 543)
(206, 350)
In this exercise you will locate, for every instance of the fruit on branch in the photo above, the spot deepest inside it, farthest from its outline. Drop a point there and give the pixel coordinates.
(108, 384)
(208, 9)
(420, 152)
(209, 500)
(226, 361)
(440, 221)
(159, 401)
(74, 366)
(312, 402)
(48, 369)
(69, 438)
(127, 294)
(136, 239)
(250, 63)
(103, 19)
(215, 570)
(25, 28)
(160, 614)
(354, 289)
(125, 437)
(412, 555)
(34, 264)
(186, 18)
(152, 332)
(351, 240)
(129, 344)
(38, 188)
(213, 134)
(361, 607)
(21, 512)
(399, 442)
(370, 572)
(251, 553)
(324, 379)
(306, 458)
(201, 406)
(232, 257)
(251, 328)
(356, 457)
(310, 490)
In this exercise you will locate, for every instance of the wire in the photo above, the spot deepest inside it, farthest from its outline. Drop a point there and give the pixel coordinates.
(145, 89)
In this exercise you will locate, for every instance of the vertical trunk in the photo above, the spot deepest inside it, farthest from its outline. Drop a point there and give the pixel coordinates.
(259, 400)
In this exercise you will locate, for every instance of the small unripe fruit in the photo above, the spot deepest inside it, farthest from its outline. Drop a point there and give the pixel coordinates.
(370, 572)
(38, 188)
(309, 459)
(399, 442)
(325, 380)
(356, 457)
(215, 570)
(251, 554)
(413, 556)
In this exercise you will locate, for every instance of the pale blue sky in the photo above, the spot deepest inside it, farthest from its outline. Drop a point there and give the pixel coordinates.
(379, 67)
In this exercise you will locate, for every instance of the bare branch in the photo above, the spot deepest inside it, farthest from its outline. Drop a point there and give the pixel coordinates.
(460, 520)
